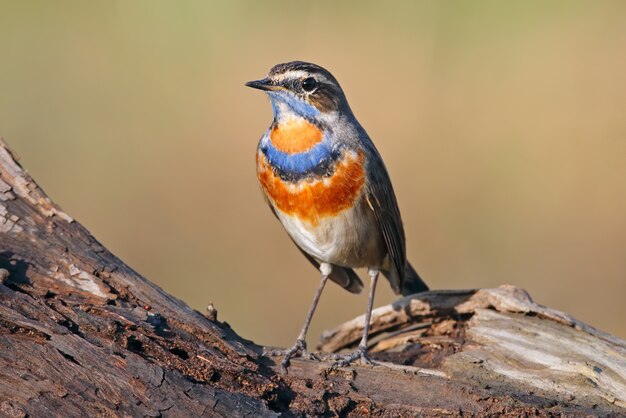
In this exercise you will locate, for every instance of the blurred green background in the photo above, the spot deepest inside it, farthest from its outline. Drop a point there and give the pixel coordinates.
(503, 125)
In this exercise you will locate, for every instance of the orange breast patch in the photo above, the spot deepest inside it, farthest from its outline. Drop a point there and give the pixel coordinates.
(295, 135)
(312, 199)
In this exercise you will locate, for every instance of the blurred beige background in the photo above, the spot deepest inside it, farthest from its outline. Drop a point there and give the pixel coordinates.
(503, 125)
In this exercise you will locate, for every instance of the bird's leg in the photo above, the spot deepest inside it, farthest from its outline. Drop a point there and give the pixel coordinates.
(300, 345)
(361, 351)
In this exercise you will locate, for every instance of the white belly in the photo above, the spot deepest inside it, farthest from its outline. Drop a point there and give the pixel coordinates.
(350, 239)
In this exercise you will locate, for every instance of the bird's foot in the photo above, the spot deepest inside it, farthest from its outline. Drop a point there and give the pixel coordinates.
(298, 350)
(359, 354)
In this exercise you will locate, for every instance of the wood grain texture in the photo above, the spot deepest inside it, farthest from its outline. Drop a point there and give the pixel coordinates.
(500, 339)
(82, 334)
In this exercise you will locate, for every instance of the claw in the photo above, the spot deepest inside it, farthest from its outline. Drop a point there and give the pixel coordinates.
(299, 348)
(359, 354)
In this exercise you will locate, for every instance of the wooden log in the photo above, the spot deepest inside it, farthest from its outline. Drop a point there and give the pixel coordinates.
(500, 339)
(82, 334)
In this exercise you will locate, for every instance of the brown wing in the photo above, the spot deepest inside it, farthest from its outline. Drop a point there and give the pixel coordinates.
(383, 202)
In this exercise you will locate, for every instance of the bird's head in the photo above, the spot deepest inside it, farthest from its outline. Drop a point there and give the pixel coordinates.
(302, 89)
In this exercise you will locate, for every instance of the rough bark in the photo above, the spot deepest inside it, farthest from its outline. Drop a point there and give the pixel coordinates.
(82, 334)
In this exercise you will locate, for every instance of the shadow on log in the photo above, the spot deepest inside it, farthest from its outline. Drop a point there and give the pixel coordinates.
(82, 334)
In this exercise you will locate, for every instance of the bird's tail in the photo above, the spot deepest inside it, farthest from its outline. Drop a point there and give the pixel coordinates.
(412, 282)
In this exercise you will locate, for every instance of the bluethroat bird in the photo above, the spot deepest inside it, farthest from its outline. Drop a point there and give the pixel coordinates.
(327, 184)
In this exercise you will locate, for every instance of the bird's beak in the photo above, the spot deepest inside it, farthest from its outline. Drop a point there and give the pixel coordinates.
(264, 84)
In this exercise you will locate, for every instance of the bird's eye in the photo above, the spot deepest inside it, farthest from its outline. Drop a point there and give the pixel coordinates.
(309, 84)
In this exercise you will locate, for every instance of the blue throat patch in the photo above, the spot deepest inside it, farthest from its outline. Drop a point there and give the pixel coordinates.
(299, 107)
(316, 162)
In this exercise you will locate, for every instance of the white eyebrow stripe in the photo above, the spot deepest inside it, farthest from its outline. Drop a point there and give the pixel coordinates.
(298, 74)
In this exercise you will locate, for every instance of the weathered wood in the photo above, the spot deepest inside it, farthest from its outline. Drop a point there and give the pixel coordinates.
(82, 334)
(508, 343)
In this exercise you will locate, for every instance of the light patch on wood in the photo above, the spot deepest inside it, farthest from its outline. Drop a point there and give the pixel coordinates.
(86, 281)
(22, 185)
(8, 223)
(543, 355)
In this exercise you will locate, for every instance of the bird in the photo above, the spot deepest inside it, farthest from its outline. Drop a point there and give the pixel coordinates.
(326, 182)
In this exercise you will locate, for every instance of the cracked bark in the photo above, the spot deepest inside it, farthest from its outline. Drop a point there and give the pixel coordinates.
(82, 334)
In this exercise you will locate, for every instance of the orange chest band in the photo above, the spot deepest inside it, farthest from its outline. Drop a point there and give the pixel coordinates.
(312, 199)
